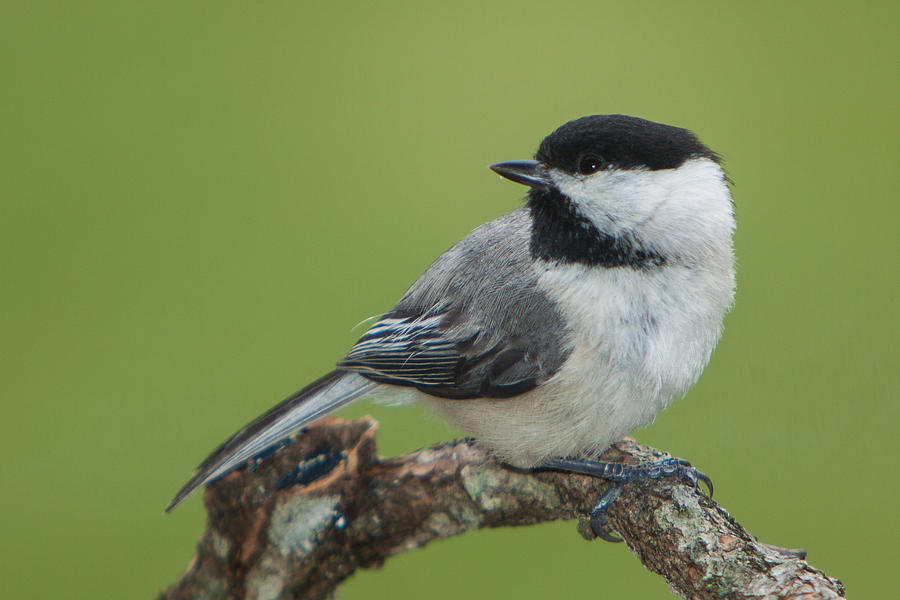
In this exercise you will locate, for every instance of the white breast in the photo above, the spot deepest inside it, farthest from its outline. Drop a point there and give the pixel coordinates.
(640, 339)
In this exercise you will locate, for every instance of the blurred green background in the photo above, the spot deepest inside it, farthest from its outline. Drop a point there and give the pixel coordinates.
(201, 200)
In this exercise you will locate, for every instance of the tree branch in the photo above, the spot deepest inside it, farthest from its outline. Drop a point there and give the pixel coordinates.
(344, 509)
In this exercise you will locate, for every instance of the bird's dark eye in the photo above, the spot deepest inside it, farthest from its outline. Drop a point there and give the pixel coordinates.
(591, 163)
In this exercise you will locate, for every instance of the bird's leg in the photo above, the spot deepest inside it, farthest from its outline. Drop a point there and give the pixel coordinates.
(619, 474)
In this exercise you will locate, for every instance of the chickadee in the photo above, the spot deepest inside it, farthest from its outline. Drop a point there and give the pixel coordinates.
(557, 329)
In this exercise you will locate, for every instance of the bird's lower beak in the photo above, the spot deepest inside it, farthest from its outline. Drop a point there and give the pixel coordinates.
(526, 172)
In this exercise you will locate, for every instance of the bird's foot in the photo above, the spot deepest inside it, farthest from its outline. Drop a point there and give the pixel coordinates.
(600, 520)
(620, 474)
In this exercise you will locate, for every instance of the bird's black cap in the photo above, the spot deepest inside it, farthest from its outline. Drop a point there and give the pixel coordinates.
(619, 141)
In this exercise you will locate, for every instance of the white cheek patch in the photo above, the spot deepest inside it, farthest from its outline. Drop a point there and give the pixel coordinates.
(674, 210)
(615, 201)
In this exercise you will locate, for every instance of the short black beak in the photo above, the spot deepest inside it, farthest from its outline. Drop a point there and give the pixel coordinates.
(526, 172)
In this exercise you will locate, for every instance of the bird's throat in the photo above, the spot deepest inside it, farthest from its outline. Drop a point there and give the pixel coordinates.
(560, 234)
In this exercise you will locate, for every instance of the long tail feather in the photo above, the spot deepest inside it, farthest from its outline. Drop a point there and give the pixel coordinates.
(316, 400)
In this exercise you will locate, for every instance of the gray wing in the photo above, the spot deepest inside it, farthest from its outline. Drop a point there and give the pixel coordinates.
(474, 325)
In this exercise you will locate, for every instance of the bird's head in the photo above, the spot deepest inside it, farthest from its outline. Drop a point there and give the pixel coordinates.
(614, 190)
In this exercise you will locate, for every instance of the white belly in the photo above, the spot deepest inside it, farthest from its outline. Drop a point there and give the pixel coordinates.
(639, 339)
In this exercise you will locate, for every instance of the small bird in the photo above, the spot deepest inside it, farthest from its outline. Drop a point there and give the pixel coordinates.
(558, 328)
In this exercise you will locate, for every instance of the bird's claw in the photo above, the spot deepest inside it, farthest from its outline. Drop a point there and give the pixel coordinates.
(619, 474)
(678, 468)
(600, 519)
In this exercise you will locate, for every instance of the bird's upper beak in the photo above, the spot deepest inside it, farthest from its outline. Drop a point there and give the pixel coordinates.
(526, 172)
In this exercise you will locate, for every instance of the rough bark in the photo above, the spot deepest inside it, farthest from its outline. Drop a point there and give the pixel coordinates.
(344, 509)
